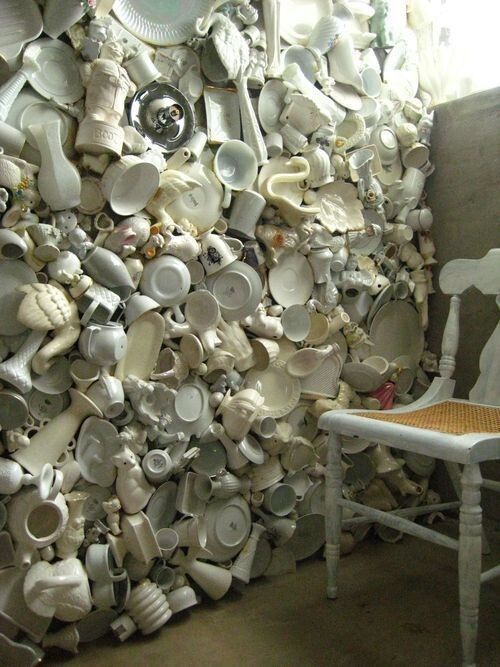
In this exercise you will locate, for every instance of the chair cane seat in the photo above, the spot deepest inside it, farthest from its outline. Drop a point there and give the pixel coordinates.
(456, 417)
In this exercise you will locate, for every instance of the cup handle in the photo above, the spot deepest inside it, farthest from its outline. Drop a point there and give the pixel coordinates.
(85, 318)
(227, 197)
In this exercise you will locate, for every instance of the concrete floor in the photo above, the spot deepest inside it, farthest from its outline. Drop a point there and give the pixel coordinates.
(398, 606)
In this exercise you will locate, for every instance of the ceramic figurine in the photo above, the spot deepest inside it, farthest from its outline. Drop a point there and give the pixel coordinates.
(132, 488)
(108, 85)
(128, 236)
(70, 541)
(280, 238)
(263, 325)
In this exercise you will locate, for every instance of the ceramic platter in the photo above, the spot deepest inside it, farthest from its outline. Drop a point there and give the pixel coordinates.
(228, 526)
(13, 274)
(291, 281)
(161, 23)
(238, 289)
(309, 536)
(161, 508)
(57, 75)
(298, 18)
(281, 391)
(396, 331)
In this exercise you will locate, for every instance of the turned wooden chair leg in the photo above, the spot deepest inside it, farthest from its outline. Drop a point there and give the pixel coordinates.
(333, 518)
(455, 475)
(469, 560)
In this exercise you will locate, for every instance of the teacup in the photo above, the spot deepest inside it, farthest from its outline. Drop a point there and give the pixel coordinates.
(100, 565)
(137, 305)
(129, 183)
(280, 499)
(216, 253)
(107, 393)
(235, 166)
(84, 374)
(168, 540)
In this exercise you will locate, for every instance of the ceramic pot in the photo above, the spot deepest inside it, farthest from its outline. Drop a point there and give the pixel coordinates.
(35, 523)
(59, 181)
(103, 344)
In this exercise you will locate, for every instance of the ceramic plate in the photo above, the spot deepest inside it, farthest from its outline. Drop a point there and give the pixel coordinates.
(281, 392)
(383, 297)
(291, 281)
(189, 402)
(228, 526)
(56, 380)
(13, 274)
(197, 396)
(298, 18)
(396, 331)
(309, 536)
(161, 23)
(211, 459)
(166, 280)
(271, 104)
(238, 290)
(57, 76)
(161, 508)
(21, 22)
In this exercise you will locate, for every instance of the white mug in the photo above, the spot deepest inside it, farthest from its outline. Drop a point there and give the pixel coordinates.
(215, 253)
(107, 393)
(245, 213)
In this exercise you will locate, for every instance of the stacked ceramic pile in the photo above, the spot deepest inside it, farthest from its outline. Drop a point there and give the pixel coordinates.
(213, 231)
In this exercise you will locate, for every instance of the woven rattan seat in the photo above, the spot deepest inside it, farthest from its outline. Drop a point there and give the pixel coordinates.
(457, 417)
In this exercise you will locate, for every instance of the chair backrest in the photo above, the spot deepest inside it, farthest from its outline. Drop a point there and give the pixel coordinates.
(455, 278)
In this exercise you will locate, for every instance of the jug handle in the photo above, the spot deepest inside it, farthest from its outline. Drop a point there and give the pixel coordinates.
(61, 581)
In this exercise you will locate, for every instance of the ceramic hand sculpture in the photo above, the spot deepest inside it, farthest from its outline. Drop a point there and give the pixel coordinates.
(108, 86)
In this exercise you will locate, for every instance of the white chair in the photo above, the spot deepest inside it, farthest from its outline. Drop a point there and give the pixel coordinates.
(461, 433)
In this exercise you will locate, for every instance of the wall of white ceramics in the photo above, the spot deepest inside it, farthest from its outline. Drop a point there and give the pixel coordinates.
(214, 230)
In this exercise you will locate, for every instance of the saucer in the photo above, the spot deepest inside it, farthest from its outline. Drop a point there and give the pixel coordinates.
(56, 380)
(57, 75)
(291, 281)
(211, 459)
(161, 508)
(237, 288)
(166, 280)
(251, 449)
(309, 536)
(280, 390)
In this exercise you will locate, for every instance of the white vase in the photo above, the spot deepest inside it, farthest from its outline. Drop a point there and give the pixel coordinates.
(17, 369)
(52, 439)
(242, 566)
(59, 181)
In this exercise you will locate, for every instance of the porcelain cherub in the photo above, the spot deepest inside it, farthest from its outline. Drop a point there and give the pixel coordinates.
(108, 85)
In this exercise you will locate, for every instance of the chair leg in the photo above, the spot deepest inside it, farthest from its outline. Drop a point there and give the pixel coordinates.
(333, 514)
(455, 474)
(469, 560)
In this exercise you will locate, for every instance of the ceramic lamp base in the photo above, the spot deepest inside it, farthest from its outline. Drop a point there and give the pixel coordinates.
(96, 137)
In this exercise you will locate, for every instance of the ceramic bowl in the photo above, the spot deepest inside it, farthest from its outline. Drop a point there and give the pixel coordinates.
(129, 184)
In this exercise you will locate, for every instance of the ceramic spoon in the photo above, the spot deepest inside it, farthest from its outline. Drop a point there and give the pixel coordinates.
(306, 361)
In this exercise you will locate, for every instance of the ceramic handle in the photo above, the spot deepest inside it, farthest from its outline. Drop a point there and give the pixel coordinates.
(61, 581)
